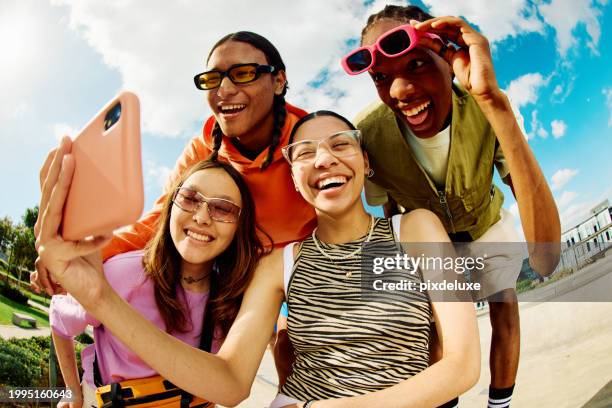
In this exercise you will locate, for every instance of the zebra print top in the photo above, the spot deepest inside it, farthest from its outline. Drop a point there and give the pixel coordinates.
(347, 344)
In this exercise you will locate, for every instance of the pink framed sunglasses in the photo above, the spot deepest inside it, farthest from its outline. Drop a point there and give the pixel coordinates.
(394, 43)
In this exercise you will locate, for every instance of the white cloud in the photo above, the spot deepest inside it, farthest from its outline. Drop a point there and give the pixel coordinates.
(156, 57)
(524, 90)
(23, 27)
(543, 133)
(562, 177)
(575, 213)
(500, 19)
(558, 128)
(564, 89)
(155, 175)
(608, 94)
(496, 19)
(536, 127)
(63, 129)
(566, 15)
(566, 198)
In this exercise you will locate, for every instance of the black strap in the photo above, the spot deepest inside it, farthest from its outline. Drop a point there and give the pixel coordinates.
(97, 376)
(208, 326)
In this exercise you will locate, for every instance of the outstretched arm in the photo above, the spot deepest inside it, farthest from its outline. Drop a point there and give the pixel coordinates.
(473, 67)
(225, 378)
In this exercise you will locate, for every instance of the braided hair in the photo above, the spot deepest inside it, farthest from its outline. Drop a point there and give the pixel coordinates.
(398, 13)
(279, 110)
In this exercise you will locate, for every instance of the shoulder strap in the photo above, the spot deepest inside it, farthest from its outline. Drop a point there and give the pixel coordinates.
(208, 326)
(288, 262)
(396, 222)
(96, 371)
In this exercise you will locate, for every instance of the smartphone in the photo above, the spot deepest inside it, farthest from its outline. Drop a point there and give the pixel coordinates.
(107, 188)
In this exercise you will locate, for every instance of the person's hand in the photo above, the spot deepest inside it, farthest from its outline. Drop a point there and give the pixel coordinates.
(77, 402)
(75, 265)
(39, 279)
(471, 63)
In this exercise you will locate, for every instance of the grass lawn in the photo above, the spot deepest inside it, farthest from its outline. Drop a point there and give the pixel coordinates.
(43, 300)
(7, 307)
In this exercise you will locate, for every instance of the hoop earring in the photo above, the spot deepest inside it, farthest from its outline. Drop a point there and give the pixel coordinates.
(370, 173)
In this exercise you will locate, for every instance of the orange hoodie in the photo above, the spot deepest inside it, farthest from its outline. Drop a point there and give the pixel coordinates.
(280, 210)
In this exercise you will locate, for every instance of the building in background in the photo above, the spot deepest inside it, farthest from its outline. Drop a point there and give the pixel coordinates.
(588, 240)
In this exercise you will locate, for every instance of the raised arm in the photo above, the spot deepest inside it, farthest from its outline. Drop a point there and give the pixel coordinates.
(473, 67)
(224, 378)
(130, 238)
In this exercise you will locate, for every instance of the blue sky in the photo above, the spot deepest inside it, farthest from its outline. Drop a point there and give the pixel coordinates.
(61, 61)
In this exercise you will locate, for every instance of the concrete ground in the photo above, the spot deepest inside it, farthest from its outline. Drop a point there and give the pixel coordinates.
(8, 331)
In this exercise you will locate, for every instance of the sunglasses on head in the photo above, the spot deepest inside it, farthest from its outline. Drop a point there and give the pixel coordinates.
(219, 209)
(394, 43)
(238, 74)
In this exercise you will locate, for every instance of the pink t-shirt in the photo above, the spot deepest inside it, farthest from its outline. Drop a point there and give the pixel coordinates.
(117, 362)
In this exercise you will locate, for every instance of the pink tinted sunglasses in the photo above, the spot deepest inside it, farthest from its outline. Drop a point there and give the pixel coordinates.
(394, 43)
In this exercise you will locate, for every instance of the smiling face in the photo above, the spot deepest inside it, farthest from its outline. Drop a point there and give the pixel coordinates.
(243, 109)
(330, 184)
(417, 86)
(198, 238)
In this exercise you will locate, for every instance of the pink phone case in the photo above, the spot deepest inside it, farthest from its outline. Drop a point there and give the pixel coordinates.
(107, 188)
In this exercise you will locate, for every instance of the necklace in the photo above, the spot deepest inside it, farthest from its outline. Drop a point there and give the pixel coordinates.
(340, 258)
(190, 279)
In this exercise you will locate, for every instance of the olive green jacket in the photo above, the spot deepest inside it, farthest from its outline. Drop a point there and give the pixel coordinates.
(470, 201)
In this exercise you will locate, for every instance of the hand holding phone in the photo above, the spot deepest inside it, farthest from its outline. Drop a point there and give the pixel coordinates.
(107, 189)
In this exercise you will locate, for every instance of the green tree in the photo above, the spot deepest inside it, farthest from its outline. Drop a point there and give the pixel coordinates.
(30, 216)
(24, 250)
(6, 234)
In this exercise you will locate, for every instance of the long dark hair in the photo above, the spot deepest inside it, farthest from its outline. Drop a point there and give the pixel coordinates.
(398, 13)
(233, 268)
(278, 107)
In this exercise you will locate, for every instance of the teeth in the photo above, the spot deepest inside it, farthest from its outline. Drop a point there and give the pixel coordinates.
(416, 109)
(225, 108)
(330, 180)
(199, 237)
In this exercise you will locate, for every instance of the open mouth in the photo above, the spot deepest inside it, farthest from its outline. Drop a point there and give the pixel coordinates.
(232, 108)
(331, 182)
(417, 114)
(199, 237)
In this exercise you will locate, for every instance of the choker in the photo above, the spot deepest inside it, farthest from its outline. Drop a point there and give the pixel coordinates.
(190, 279)
(340, 258)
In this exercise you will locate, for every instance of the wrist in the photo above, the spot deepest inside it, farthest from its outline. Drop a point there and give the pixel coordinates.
(494, 97)
(494, 102)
